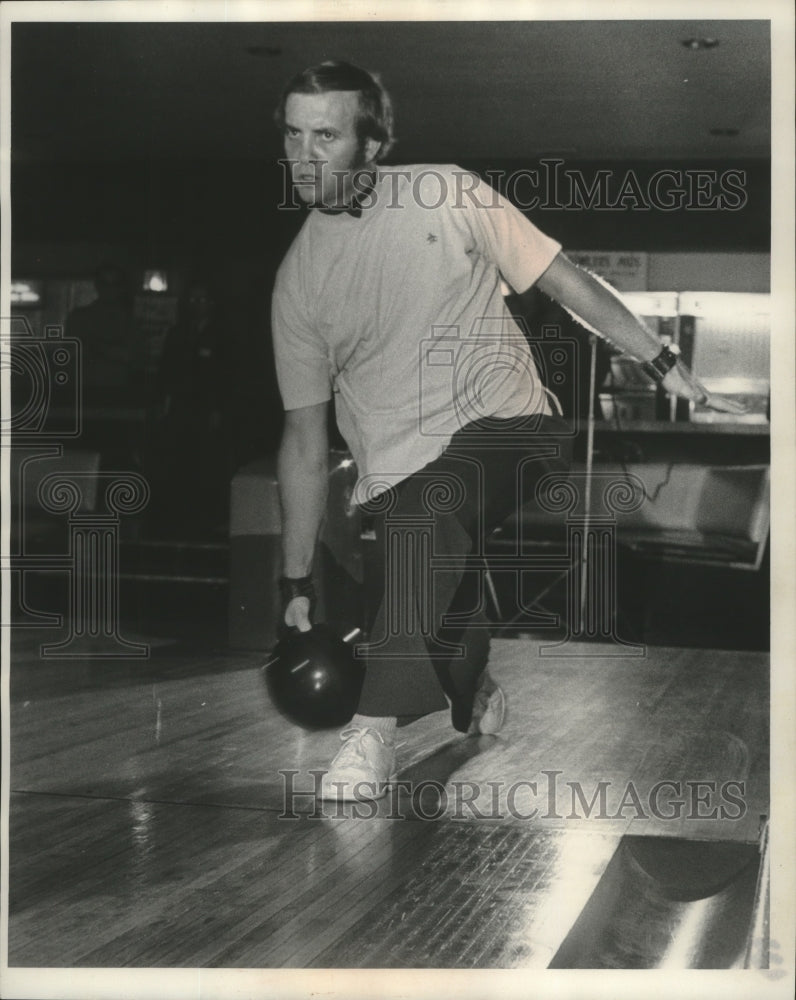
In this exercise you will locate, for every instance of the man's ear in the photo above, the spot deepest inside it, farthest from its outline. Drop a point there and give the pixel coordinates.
(372, 147)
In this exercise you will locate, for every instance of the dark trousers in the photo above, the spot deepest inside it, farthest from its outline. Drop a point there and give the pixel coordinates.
(429, 636)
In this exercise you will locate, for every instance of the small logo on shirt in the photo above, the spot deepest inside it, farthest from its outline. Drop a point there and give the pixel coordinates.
(431, 238)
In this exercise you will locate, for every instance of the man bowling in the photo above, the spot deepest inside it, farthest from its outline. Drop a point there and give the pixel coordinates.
(389, 263)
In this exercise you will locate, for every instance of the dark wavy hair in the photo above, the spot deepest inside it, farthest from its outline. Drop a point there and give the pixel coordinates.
(375, 119)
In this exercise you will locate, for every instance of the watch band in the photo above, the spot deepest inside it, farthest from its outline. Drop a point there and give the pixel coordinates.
(660, 366)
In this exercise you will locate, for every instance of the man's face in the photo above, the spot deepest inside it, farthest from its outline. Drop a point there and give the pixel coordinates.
(322, 144)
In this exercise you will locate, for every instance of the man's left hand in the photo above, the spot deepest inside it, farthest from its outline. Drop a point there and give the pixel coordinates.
(681, 382)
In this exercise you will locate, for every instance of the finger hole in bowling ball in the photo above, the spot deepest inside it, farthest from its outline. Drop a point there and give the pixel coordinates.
(314, 679)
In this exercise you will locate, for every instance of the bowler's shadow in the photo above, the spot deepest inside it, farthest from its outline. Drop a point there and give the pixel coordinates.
(421, 790)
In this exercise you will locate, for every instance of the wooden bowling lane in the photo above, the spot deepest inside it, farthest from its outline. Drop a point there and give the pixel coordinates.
(122, 884)
(674, 743)
(192, 726)
(147, 810)
(504, 898)
(195, 726)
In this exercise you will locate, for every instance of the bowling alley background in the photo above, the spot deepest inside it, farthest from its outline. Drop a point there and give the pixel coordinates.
(151, 147)
(146, 793)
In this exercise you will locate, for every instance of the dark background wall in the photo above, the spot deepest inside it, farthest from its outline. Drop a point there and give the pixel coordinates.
(228, 207)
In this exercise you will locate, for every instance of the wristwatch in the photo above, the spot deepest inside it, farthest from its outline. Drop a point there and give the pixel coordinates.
(660, 366)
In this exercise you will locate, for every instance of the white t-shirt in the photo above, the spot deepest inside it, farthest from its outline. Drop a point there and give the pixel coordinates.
(400, 314)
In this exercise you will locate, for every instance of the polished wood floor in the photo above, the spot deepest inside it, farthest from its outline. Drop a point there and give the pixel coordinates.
(149, 824)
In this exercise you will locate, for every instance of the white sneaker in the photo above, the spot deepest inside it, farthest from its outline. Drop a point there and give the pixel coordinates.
(489, 709)
(363, 768)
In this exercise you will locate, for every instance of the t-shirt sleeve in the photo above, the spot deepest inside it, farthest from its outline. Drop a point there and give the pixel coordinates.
(300, 354)
(519, 249)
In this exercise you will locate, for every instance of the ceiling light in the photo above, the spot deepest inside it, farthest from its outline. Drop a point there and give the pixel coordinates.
(698, 44)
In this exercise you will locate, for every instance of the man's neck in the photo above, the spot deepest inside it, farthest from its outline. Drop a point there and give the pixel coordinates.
(359, 185)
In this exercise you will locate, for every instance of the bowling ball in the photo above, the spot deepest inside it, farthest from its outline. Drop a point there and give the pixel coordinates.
(314, 679)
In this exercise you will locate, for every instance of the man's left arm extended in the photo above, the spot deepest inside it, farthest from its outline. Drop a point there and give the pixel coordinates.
(600, 309)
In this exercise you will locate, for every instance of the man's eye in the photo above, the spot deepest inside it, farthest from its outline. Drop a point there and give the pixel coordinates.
(327, 136)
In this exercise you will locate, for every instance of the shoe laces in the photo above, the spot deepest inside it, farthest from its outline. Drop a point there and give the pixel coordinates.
(352, 751)
(481, 703)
